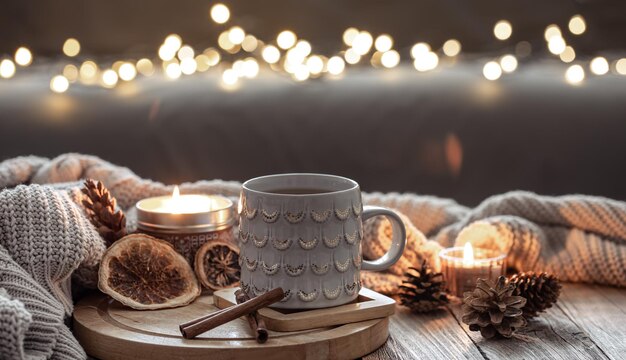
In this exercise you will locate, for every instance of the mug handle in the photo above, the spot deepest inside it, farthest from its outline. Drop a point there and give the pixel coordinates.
(398, 239)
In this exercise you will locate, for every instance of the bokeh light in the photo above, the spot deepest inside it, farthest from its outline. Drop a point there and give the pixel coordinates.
(7, 69)
(362, 43)
(270, 54)
(213, 55)
(390, 59)
(452, 47)
(220, 13)
(551, 31)
(349, 35)
(185, 52)
(556, 45)
(577, 25)
(236, 35)
(502, 30)
(575, 74)
(23, 56)
(188, 66)
(173, 71)
(229, 77)
(492, 70)
(508, 63)
(419, 49)
(145, 67)
(59, 84)
(315, 64)
(88, 71)
(383, 43)
(352, 57)
(249, 43)
(426, 61)
(599, 65)
(620, 66)
(109, 78)
(70, 71)
(568, 55)
(71, 47)
(127, 71)
(286, 39)
(335, 65)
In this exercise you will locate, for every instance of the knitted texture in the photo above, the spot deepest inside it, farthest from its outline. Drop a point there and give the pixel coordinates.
(45, 237)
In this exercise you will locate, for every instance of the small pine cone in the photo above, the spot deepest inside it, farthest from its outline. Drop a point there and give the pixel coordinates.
(100, 205)
(492, 308)
(423, 289)
(540, 290)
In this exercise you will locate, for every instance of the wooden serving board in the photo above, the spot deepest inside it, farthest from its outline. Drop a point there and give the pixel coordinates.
(109, 330)
(369, 305)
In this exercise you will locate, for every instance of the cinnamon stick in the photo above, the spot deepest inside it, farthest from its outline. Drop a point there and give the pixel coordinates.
(231, 313)
(257, 325)
(202, 318)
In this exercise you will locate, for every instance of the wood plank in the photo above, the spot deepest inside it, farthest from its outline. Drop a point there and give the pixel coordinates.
(553, 335)
(435, 335)
(601, 312)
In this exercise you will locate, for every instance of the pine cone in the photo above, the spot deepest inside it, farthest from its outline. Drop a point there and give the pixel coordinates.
(423, 290)
(492, 308)
(540, 290)
(101, 208)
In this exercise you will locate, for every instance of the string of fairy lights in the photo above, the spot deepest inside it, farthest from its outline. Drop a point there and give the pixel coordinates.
(293, 56)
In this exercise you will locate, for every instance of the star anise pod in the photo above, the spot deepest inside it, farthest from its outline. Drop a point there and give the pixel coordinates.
(492, 308)
(101, 207)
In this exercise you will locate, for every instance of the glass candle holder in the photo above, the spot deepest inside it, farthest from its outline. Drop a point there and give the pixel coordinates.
(187, 221)
(461, 270)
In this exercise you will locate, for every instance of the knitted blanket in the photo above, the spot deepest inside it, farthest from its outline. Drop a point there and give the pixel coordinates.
(46, 241)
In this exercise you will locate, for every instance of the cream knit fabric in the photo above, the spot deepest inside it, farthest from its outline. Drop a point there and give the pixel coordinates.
(45, 237)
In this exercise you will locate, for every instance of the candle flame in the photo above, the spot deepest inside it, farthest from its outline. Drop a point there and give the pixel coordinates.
(468, 255)
(176, 193)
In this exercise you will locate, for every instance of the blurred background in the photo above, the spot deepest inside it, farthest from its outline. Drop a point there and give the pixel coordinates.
(461, 99)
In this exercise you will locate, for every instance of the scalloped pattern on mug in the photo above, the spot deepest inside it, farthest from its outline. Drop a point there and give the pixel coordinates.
(308, 297)
(294, 218)
(308, 244)
(251, 264)
(320, 216)
(258, 291)
(342, 214)
(243, 236)
(245, 287)
(357, 209)
(332, 294)
(294, 270)
(287, 296)
(352, 238)
(342, 266)
(320, 270)
(332, 242)
(260, 242)
(270, 270)
(351, 288)
(281, 244)
(357, 260)
(270, 217)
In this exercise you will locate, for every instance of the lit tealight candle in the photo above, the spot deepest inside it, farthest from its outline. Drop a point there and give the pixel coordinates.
(463, 266)
(186, 221)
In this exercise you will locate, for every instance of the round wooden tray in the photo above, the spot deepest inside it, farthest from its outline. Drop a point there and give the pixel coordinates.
(109, 330)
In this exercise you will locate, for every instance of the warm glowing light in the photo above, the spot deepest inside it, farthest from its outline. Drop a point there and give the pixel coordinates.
(556, 45)
(508, 63)
(568, 55)
(419, 49)
(502, 30)
(349, 35)
(315, 64)
(383, 43)
(390, 59)
(362, 43)
(294, 56)
(71, 47)
(452, 47)
(468, 255)
(351, 56)
(224, 41)
(286, 39)
(303, 47)
(127, 71)
(109, 78)
(166, 53)
(88, 71)
(577, 25)
(249, 43)
(202, 63)
(145, 67)
(426, 61)
(575, 74)
(492, 70)
(172, 70)
(185, 52)
(620, 66)
(375, 60)
(335, 65)
(70, 71)
(7, 69)
(250, 68)
(551, 31)
(59, 84)
(173, 41)
(301, 73)
(229, 77)
(213, 56)
(270, 54)
(236, 35)
(599, 66)
(188, 66)
(220, 13)
(23, 56)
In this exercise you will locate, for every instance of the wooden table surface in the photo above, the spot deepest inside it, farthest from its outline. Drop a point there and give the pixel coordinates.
(588, 322)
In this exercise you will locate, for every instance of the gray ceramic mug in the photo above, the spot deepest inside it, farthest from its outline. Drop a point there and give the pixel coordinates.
(303, 232)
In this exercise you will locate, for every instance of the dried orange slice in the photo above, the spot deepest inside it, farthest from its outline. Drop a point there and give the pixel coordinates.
(217, 265)
(146, 273)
